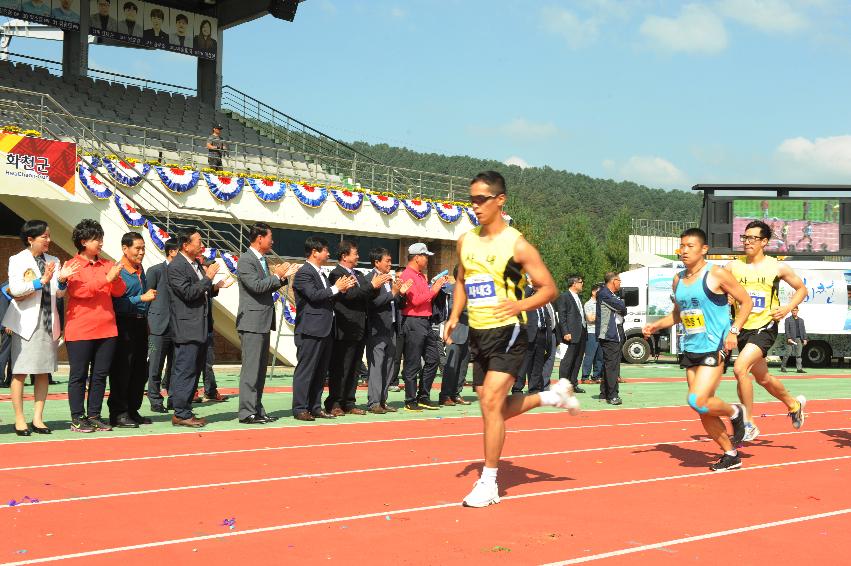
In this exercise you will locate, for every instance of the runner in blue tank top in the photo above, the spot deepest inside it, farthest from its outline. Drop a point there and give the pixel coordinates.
(700, 304)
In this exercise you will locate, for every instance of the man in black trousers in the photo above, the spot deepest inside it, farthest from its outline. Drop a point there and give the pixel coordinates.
(314, 323)
(571, 318)
(350, 311)
(191, 287)
(160, 340)
(537, 332)
(796, 338)
(609, 327)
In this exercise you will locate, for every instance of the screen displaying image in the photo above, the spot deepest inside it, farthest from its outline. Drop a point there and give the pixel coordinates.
(797, 225)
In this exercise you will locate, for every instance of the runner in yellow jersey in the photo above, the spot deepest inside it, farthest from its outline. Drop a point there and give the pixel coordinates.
(493, 259)
(760, 275)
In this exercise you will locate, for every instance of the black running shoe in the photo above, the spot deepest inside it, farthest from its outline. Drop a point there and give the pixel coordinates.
(428, 405)
(726, 462)
(414, 407)
(738, 427)
(81, 424)
(98, 424)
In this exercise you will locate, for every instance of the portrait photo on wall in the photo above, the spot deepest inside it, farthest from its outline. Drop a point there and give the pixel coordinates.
(182, 24)
(205, 34)
(130, 18)
(104, 15)
(157, 25)
(36, 7)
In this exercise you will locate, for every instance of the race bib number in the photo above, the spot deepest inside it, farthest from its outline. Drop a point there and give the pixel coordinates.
(481, 290)
(693, 321)
(758, 299)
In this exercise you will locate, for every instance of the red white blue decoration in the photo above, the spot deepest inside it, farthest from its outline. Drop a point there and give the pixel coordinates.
(92, 161)
(350, 201)
(88, 178)
(448, 212)
(507, 218)
(289, 312)
(224, 188)
(419, 209)
(125, 173)
(209, 254)
(177, 180)
(471, 215)
(309, 195)
(231, 261)
(131, 216)
(266, 190)
(384, 204)
(158, 235)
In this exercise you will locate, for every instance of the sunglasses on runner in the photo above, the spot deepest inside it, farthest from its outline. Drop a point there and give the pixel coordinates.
(479, 200)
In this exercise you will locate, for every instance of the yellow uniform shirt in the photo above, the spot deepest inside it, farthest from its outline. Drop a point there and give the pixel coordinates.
(762, 282)
(491, 274)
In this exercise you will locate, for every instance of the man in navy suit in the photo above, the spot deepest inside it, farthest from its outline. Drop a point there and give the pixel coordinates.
(572, 327)
(314, 321)
(538, 334)
(160, 341)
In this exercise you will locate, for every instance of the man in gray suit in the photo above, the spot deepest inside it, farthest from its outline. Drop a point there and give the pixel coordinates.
(796, 339)
(255, 319)
(383, 323)
(103, 18)
(457, 357)
(160, 340)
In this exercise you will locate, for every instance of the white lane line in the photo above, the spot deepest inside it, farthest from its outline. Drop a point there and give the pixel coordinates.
(294, 425)
(380, 469)
(707, 536)
(333, 520)
(359, 442)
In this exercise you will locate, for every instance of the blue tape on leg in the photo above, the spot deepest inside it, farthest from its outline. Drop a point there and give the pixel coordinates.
(692, 402)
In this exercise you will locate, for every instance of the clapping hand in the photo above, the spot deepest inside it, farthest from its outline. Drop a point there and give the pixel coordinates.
(224, 283)
(343, 284)
(148, 296)
(49, 268)
(281, 270)
(292, 270)
(113, 272)
(380, 279)
(211, 270)
(406, 286)
(69, 268)
(438, 283)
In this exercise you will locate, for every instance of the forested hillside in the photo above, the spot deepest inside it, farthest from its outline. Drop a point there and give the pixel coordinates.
(580, 223)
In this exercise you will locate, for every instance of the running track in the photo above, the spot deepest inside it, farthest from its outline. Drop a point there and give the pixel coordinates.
(609, 487)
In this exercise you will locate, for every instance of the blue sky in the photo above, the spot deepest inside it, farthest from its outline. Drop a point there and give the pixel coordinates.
(667, 94)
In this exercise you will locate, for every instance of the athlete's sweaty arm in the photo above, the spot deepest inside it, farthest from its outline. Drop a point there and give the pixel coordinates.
(791, 278)
(735, 290)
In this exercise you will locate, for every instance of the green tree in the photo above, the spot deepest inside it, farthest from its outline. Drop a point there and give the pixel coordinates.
(616, 247)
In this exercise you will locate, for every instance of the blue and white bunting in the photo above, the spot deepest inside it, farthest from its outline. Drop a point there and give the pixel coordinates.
(177, 180)
(224, 188)
(384, 204)
(158, 236)
(289, 312)
(209, 254)
(349, 201)
(309, 195)
(131, 216)
(89, 179)
(231, 261)
(92, 161)
(419, 209)
(471, 216)
(448, 212)
(266, 190)
(126, 174)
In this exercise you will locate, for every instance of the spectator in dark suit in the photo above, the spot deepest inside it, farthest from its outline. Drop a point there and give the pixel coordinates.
(796, 339)
(160, 341)
(350, 330)
(191, 287)
(314, 323)
(454, 369)
(384, 321)
(549, 363)
(5, 339)
(255, 320)
(571, 318)
(537, 332)
(592, 364)
(609, 328)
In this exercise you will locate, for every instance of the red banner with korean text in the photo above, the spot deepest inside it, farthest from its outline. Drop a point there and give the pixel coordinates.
(38, 158)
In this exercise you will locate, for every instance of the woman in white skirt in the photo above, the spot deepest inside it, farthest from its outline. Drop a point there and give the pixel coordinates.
(35, 282)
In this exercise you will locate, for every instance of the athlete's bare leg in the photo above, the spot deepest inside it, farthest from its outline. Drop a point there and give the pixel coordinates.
(497, 406)
(702, 383)
(751, 361)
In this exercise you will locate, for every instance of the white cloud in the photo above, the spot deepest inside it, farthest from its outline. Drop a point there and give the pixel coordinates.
(515, 160)
(575, 31)
(695, 30)
(831, 155)
(653, 172)
(765, 15)
(519, 130)
(397, 12)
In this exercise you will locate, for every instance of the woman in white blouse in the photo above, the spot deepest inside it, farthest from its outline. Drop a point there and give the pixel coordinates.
(35, 282)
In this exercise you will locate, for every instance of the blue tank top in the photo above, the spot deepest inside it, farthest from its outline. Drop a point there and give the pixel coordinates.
(705, 315)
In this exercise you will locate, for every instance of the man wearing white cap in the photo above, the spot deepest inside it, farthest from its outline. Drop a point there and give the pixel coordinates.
(421, 343)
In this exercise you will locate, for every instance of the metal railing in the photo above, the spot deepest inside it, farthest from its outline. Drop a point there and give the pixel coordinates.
(660, 228)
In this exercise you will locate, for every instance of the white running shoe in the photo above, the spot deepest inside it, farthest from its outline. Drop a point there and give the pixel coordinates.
(751, 432)
(567, 400)
(483, 494)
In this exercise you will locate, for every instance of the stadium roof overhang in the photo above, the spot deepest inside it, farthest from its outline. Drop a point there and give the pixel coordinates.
(231, 13)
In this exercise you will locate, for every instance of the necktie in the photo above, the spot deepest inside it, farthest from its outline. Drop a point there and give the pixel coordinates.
(541, 317)
(324, 279)
(264, 265)
(46, 306)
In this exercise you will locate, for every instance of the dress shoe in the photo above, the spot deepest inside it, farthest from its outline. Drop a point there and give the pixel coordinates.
(377, 410)
(41, 429)
(615, 401)
(334, 412)
(323, 415)
(53, 382)
(447, 402)
(123, 421)
(578, 389)
(254, 419)
(270, 418)
(460, 401)
(303, 416)
(217, 398)
(392, 388)
(783, 370)
(355, 411)
(25, 432)
(192, 422)
(158, 409)
(389, 408)
(801, 371)
(139, 419)
(198, 399)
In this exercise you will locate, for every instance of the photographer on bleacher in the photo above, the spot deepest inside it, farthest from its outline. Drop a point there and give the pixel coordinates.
(216, 148)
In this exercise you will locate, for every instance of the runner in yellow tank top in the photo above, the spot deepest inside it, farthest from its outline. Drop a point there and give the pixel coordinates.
(760, 275)
(492, 261)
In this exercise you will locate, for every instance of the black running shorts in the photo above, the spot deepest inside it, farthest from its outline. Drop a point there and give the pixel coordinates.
(710, 359)
(497, 349)
(762, 337)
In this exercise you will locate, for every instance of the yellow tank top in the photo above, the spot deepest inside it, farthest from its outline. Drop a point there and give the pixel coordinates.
(490, 274)
(762, 282)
